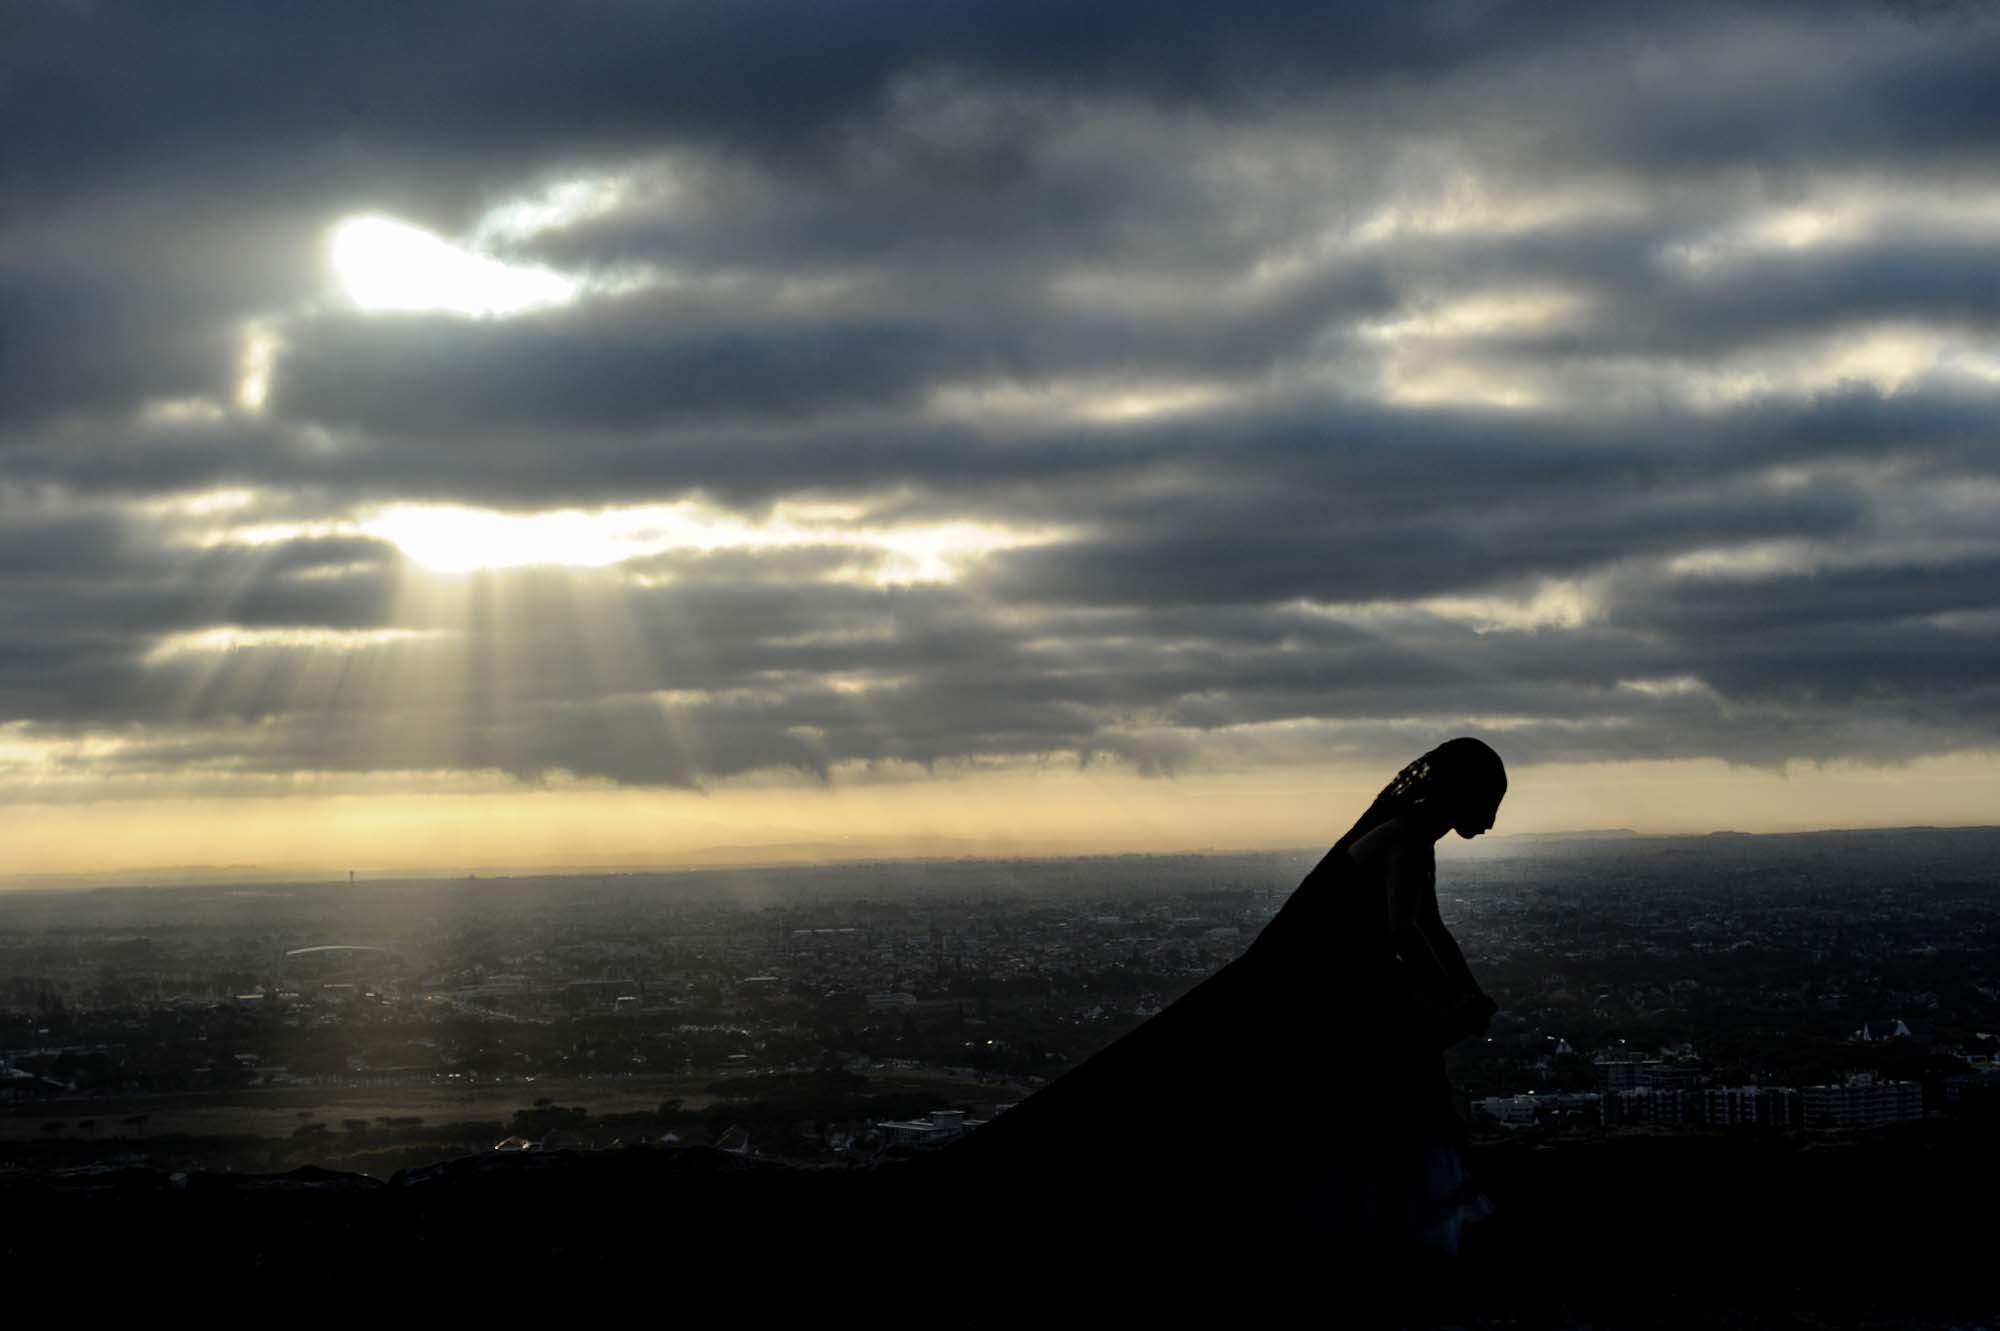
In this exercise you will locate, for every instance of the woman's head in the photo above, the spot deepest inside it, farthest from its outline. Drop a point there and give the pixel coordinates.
(1458, 786)
(1468, 782)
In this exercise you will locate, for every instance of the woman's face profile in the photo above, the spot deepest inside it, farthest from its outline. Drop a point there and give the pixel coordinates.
(1477, 813)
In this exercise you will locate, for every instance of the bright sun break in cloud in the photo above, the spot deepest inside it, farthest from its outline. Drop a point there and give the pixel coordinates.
(453, 539)
(387, 266)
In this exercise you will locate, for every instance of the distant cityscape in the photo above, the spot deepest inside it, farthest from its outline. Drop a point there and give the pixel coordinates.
(1655, 1091)
(1804, 983)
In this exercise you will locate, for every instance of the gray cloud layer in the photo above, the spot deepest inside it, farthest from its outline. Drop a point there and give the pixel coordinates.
(1353, 375)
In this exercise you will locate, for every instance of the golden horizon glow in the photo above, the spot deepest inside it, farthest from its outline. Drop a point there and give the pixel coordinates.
(468, 822)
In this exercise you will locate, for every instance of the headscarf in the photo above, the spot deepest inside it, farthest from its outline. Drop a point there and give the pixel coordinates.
(1456, 770)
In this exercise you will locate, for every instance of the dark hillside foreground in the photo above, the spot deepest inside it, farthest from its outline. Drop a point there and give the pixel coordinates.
(1887, 1227)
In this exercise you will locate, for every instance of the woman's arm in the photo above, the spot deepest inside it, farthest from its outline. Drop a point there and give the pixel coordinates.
(1428, 926)
(1418, 930)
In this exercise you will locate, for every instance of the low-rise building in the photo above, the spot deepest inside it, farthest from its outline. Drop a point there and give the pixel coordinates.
(1664, 1076)
(1752, 1106)
(1861, 1100)
(939, 1127)
(1646, 1104)
(1619, 1073)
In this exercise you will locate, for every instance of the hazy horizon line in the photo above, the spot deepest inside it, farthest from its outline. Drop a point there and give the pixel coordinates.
(775, 856)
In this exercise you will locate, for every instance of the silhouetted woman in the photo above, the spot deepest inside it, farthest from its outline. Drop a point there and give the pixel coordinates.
(1300, 1090)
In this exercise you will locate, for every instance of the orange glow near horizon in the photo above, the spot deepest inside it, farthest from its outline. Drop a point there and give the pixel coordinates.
(1028, 811)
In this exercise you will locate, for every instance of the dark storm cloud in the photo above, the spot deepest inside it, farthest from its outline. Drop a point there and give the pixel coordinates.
(1621, 383)
(1459, 536)
(493, 81)
(95, 596)
(152, 138)
(71, 344)
(1323, 457)
(446, 376)
(1819, 599)
(1903, 90)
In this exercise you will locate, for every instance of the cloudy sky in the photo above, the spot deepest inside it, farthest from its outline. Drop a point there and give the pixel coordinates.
(495, 433)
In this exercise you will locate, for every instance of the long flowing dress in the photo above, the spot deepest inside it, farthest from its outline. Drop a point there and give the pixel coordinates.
(1298, 1090)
